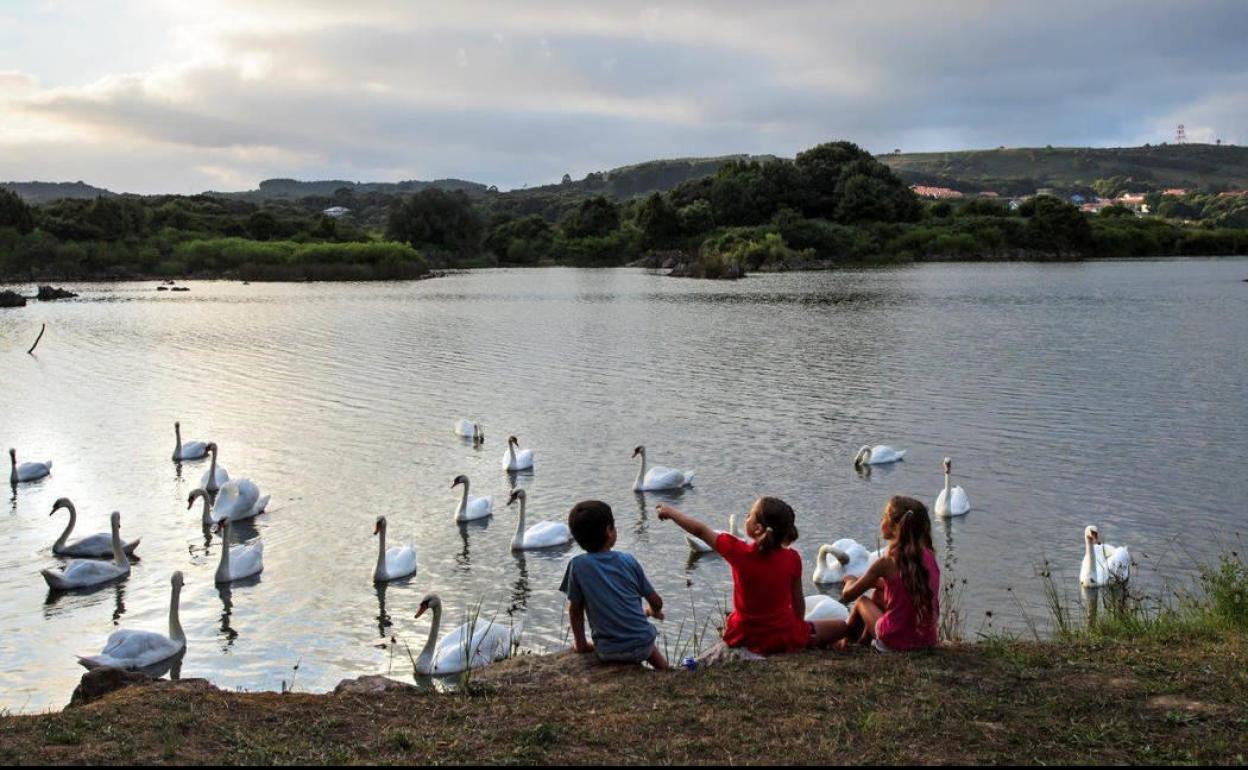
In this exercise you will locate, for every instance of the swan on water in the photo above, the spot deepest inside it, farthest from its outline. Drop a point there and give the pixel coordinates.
(877, 455)
(27, 471)
(658, 477)
(83, 573)
(216, 475)
(697, 546)
(130, 649)
(392, 563)
(191, 450)
(821, 607)
(516, 459)
(471, 645)
(1102, 564)
(238, 561)
(844, 557)
(471, 430)
(545, 534)
(97, 546)
(238, 499)
(471, 508)
(952, 501)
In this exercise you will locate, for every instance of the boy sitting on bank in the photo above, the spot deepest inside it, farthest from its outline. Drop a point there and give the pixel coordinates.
(609, 585)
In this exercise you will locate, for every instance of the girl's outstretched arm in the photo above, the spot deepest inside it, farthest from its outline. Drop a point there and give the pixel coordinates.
(688, 524)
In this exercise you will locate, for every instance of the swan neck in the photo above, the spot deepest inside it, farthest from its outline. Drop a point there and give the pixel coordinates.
(119, 553)
(175, 623)
(177, 441)
(223, 567)
(949, 490)
(641, 472)
(732, 525)
(212, 473)
(424, 663)
(207, 510)
(511, 453)
(463, 501)
(517, 540)
(381, 554)
(73, 519)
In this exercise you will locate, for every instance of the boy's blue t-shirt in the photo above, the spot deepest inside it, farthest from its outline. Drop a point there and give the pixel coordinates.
(611, 584)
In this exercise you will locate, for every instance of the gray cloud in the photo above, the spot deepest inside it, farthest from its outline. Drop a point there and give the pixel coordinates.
(513, 94)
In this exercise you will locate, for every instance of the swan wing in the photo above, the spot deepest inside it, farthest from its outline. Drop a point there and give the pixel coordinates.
(32, 471)
(696, 545)
(464, 428)
(960, 503)
(192, 450)
(83, 573)
(660, 477)
(1118, 563)
(478, 507)
(222, 476)
(820, 607)
(99, 545)
(400, 561)
(132, 648)
(246, 560)
(546, 534)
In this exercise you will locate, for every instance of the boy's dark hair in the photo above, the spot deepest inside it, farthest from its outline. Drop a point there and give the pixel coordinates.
(589, 521)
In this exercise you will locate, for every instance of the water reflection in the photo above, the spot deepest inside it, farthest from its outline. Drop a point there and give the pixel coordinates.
(226, 634)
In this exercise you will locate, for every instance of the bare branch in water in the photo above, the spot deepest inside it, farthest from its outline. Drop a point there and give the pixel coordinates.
(42, 328)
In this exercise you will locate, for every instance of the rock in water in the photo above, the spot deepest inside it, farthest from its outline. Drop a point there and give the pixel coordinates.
(11, 299)
(51, 292)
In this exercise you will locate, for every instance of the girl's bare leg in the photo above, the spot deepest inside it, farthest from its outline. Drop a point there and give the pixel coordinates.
(869, 612)
(828, 632)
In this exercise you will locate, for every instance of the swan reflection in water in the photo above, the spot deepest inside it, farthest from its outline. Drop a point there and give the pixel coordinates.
(520, 588)
(227, 633)
(463, 559)
(57, 602)
(383, 618)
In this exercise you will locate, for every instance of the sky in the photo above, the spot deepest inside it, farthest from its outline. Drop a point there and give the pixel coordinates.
(152, 96)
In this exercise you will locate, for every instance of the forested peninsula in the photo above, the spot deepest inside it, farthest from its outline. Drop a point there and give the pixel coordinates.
(832, 205)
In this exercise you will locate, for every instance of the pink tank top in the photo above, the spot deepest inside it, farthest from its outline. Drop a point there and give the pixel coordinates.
(898, 627)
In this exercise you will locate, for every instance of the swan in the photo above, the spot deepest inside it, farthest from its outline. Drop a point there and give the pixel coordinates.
(658, 477)
(470, 507)
(215, 476)
(545, 534)
(27, 471)
(238, 561)
(128, 648)
(239, 499)
(952, 501)
(820, 607)
(844, 557)
(514, 460)
(472, 645)
(191, 450)
(877, 455)
(697, 546)
(97, 546)
(392, 563)
(472, 430)
(1102, 564)
(83, 573)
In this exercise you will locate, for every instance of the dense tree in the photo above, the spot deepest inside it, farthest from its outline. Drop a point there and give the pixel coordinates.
(659, 222)
(433, 217)
(1055, 225)
(595, 217)
(15, 213)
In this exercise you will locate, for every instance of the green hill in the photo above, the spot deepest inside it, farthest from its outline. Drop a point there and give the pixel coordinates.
(1208, 167)
(42, 192)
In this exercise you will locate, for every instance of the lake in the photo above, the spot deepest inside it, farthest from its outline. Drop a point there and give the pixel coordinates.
(1097, 392)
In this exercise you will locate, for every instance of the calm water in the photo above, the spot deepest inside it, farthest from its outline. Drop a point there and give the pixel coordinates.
(1101, 392)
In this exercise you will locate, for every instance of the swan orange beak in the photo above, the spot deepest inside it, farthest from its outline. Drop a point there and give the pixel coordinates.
(421, 611)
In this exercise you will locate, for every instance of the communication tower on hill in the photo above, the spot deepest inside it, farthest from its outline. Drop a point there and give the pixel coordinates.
(1180, 135)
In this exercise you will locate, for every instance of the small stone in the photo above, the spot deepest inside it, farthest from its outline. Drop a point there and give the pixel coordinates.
(373, 684)
(97, 683)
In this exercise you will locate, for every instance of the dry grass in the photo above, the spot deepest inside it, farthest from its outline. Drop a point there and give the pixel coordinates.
(1001, 701)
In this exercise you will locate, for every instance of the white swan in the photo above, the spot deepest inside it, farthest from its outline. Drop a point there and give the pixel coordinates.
(1102, 564)
(658, 477)
(27, 471)
(239, 499)
(844, 557)
(697, 546)
(215, 476)
(191, 450)
(877, 455)
(820, 607)
(392, 563)
(517, 460)
(83, 573)
(472, 430)
(545, 534)
(471, 645)
(471, 508)
(238, 561)
(952, 501)
(97, 546)
(128, 648)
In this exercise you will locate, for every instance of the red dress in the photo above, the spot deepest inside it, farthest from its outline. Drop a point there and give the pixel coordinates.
(898, 628)
(762, 619)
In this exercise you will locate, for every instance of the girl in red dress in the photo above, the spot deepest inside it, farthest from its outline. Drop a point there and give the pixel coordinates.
(767, 601)
(904, 612)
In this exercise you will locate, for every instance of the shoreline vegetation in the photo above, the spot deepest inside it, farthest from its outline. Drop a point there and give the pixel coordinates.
(1143, 681)
(832, 206)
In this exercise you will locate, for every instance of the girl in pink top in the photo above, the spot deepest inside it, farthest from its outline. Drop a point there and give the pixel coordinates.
(904, 611)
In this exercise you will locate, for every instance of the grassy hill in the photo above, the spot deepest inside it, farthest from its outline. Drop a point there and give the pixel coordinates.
(1022, 170)
(42, 192)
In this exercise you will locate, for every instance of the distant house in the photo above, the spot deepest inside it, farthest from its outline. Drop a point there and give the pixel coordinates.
(1133, 201)
(1177, 192)
(334, 212)
(940, 193)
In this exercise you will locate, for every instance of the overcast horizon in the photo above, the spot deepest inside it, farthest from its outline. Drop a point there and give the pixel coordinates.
(155, 96)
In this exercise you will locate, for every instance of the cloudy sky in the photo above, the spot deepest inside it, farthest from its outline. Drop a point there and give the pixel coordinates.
(174, 96)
